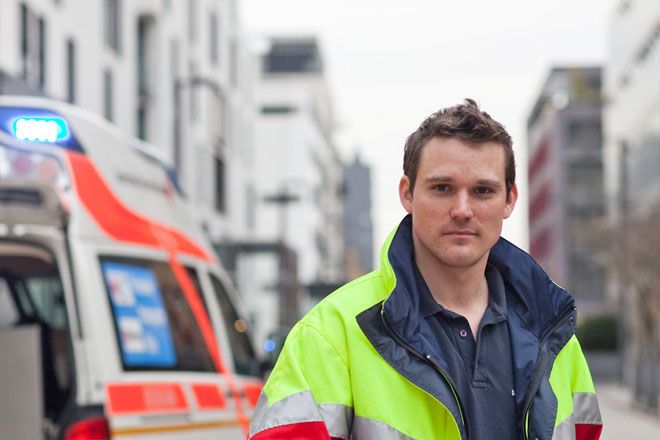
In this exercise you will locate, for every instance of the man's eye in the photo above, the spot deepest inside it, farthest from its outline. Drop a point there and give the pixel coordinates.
(441, 188)
(483, 190)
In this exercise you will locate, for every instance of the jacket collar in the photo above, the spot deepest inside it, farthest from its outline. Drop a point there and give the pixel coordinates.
(535, 300)
(534, 306)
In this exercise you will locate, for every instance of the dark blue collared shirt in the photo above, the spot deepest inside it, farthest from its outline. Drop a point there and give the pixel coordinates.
(481, 370)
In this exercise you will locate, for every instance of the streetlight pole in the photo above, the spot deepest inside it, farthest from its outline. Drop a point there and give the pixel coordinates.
(282, 199)
(179, 85)
(288, 277)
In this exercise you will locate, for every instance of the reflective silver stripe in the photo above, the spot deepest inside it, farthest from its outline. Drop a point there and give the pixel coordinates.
(296, 408)
(585, 410)
(369, 429)
(338, 419)
(300, 408)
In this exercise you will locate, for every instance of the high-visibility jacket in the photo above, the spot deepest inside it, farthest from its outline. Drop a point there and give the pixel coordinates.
(362, 363)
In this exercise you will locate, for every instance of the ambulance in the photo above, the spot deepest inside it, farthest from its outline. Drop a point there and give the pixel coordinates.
(116, 318)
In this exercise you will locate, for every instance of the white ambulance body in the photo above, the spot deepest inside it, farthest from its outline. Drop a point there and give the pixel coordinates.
(116, 319)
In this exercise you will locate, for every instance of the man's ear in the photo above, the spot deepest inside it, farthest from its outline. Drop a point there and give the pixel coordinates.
(511, 199)
(405, 194)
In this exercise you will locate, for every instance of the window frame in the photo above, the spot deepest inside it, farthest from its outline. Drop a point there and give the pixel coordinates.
(254, 363)
(112, 23)
(148, 262)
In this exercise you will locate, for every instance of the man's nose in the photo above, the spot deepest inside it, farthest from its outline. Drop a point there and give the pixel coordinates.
(462, 209)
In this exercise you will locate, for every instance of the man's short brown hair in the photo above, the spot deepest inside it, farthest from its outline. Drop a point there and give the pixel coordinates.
(467, 123)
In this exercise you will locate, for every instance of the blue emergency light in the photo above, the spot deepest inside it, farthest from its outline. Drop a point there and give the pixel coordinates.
(40, 129)
(38, 125)
(269, 345)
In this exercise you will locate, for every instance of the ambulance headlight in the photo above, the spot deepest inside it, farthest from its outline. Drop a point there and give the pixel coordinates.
(40, 129)
(28, 164)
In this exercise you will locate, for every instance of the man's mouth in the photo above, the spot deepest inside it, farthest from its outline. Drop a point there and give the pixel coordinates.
(461, 233)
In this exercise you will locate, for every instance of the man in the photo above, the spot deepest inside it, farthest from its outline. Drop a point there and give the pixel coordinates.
(458, 335)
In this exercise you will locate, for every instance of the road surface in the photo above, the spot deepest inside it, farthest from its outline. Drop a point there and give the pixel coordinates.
(622, 420)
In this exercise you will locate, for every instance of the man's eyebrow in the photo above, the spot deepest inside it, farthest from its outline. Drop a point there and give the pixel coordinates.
(485, 182)
(489, 182)
(438, 179)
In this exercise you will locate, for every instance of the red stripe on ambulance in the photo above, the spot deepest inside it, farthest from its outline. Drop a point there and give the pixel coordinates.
(209, 396)
(117, 220)
(123, 224)
(252, 392)
(145, 398)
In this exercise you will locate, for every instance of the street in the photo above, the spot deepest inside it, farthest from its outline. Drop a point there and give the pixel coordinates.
(621, 420)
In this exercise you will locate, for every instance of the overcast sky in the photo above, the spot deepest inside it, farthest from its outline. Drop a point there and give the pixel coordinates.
(390, 63)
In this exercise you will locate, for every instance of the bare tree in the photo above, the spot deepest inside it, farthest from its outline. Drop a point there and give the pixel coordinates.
(632, 251)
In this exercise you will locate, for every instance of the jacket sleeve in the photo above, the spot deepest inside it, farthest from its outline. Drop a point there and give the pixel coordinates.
(307, 395)
(578, 414)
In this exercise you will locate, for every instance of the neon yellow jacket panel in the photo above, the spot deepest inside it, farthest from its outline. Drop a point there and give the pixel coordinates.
(359, 364)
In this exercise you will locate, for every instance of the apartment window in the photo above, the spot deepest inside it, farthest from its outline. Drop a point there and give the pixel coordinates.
(233, 60)
(70, 71)
(192, 20)
(32, 48)
(41, 53)
(174, 58)
(194, 97)
(250, 207)
(277, 109)
(585, 135)
(176, 102)
(25, 43)
(141, 119)
(108, 107)
(214, 39)
(220, 189)
(143, 74)
(142, 62)
(112, 20)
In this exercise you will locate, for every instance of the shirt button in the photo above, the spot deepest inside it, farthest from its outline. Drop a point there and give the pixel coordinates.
(463, 333)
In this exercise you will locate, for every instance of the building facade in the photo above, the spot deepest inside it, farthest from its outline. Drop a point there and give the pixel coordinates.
(298, 183)
(358, 221)
(175, 74)
(296, 123)
(566, 194)
(632, 177)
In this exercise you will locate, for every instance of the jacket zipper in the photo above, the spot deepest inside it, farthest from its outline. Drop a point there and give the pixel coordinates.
(536, 380)
(428, 358)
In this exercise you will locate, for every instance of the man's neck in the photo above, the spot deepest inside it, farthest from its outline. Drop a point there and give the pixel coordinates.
(462, 290)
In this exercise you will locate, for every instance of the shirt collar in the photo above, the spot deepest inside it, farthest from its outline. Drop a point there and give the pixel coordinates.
(496, 291)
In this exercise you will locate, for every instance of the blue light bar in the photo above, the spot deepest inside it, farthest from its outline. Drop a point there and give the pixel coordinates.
(269, 345)
(40, 129)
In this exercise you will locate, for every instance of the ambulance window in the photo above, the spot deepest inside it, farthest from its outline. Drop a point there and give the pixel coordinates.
(245, 361)
(155, 325)
(48, 300)
(8, 312)
(192, 273)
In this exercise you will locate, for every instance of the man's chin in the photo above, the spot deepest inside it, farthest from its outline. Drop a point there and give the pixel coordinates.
(463, 258)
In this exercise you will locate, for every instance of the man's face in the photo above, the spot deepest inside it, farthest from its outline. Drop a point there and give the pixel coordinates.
(459, 201)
